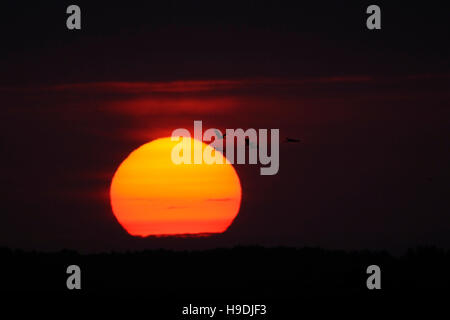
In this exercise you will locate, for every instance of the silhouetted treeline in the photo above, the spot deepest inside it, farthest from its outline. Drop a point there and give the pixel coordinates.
(241, 272)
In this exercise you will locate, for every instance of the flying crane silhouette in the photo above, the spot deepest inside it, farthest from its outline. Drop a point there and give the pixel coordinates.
(219, 135)
(252, 145)
(248, 143)
(291, 140)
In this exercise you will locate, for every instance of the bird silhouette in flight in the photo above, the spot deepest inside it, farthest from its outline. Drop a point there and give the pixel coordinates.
(292, 140)
(250, 144)
(219, 135)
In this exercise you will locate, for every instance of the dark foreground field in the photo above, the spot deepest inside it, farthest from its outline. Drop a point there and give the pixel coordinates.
(245, 272)
(284, 279)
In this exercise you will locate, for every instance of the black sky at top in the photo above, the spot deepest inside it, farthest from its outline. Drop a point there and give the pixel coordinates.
(170, 40)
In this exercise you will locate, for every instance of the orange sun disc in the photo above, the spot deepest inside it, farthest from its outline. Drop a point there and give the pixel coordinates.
(151, 195)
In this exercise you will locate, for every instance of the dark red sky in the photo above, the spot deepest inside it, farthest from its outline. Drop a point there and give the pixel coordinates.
(372, 109)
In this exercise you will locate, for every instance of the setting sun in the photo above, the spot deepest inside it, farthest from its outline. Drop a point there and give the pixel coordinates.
(150, 195)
